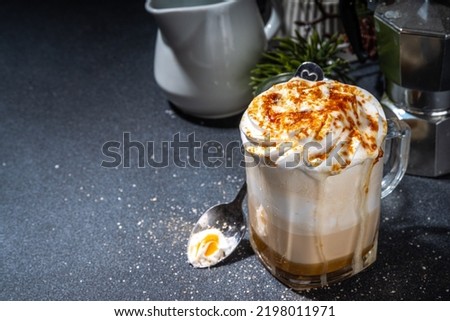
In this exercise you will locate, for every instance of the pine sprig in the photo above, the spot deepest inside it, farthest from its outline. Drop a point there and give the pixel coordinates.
(286, 54)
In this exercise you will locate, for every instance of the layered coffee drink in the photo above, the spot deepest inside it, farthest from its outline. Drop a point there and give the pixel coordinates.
(314, 168)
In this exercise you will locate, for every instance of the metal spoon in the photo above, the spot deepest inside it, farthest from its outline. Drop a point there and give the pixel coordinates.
(229, 219)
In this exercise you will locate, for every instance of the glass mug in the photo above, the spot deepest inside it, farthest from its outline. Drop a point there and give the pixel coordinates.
(313, 229)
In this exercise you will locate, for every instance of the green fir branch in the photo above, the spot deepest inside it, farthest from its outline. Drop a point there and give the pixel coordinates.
(286, 54)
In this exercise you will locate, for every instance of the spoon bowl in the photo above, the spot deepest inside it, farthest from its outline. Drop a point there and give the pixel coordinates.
(227, 218)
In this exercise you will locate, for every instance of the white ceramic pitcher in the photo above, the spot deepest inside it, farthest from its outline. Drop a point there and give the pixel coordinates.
(205, 50)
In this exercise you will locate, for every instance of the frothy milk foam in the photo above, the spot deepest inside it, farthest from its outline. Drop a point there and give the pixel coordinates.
(313, 152)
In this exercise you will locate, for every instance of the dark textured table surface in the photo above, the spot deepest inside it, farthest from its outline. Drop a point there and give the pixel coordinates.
(77, 74)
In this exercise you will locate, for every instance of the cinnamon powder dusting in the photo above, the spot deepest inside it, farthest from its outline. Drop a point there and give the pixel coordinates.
(300, 109)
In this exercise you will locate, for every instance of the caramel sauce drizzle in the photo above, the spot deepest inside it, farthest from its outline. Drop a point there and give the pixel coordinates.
(300, 109)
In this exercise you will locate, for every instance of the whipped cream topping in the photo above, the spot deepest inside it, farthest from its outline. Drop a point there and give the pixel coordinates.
(208, 247)
(323, 126)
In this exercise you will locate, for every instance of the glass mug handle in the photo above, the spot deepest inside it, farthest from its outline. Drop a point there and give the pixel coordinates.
(396, 153)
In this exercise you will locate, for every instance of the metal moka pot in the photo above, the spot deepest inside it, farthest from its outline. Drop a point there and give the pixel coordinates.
(413, 40)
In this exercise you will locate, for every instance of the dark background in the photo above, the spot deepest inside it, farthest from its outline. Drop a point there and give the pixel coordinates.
(77, 74)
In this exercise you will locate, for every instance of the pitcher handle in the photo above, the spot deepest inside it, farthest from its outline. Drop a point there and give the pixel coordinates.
(274, 23)
(396, 153)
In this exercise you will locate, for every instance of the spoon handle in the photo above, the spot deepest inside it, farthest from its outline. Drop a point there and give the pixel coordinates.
(241, 195)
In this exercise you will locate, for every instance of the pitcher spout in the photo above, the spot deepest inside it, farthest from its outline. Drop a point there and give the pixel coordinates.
(181, 20)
